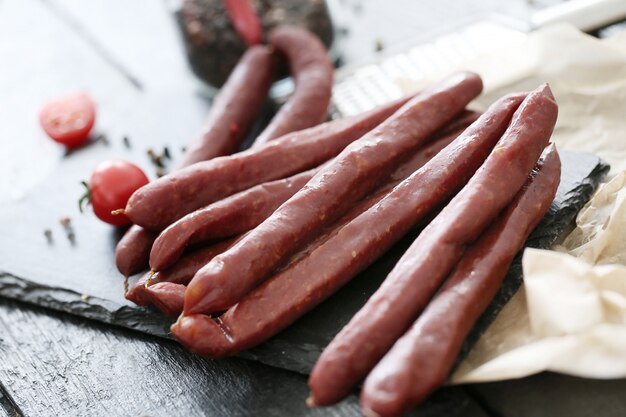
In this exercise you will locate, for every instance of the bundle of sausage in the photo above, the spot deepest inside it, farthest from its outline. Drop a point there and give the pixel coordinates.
(236, 108)
(248, 208)
(463, 249)
(250, 242)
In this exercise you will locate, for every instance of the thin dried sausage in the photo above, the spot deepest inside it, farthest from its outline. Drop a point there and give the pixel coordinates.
(230, 118)
(247, 209)
(235, 107)
(228, 217)
(168, 297)
(300, 286)
(359, 168)
(366, 232)
(420, 158)
(421, 360)
(133, 250)
(406, 290)
(312, 73)
(180, 273)
(160, 203)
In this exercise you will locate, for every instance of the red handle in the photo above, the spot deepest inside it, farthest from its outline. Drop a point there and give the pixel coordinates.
(245, 20)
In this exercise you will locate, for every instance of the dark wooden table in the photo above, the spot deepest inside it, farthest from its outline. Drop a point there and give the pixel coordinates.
(52, 364)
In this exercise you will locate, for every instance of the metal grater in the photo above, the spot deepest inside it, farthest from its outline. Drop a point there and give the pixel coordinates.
(360, 89)
(363, 88)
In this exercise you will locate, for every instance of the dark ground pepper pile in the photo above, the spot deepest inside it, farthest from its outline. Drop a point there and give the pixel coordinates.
(213, 46)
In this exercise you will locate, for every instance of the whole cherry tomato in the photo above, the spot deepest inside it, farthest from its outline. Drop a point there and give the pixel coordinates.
(68, 120)
(112, 183)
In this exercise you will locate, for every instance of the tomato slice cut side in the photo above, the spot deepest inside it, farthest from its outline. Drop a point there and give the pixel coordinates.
(68, 120)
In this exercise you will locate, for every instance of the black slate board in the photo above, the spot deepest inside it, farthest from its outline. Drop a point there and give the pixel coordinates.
(81, 279)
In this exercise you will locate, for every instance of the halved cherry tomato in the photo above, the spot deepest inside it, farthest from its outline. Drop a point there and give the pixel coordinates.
(112, 184)
(68, 120)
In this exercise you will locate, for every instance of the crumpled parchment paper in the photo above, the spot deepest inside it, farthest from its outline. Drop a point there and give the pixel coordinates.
(570, 315)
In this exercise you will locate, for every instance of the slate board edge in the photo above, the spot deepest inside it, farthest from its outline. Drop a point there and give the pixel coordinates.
(8, 406)
(514, 278)
(153, 322)
(72, 302)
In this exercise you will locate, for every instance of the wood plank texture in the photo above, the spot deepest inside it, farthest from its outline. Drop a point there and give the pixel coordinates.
(553, 395)
(53, 363)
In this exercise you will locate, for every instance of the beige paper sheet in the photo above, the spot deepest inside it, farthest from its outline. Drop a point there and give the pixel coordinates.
(570, 316)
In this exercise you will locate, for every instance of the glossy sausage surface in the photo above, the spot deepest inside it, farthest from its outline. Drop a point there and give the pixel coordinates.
(168, 297)
(230, 118)
(361, 236)
(162, 202)
(359, 169)
(421, 360)
(235, 107)
(228, 217)
(420, 271)
(299, 286)
(312, 74)
(179, 273)
(282, 314)
(133, 250)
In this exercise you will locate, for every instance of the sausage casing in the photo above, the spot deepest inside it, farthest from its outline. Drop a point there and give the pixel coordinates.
(228, 217)
(161, 202)
(299, 285)
(133, 250)
(361, 236)
(230, 118)
(420, 271)
(312, 73)
(235, 107)
(179, 273)
(279, 319)
(247, 209)
(350, 176)
(421, 360)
